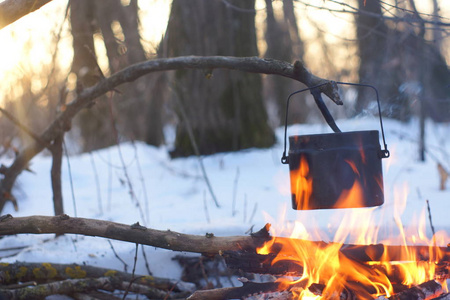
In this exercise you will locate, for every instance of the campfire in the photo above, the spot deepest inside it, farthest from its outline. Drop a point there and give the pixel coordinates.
(405, 266)
(356, 264)
(336, 171)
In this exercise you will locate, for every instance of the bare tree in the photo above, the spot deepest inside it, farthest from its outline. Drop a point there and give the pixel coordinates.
(283, 41)
(401, 62)
(118, 25)
(224, 110)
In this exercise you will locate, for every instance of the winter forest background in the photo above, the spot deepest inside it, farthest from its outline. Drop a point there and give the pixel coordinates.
(401, 47)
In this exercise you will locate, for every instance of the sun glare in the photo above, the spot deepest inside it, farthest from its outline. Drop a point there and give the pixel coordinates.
(28, 45)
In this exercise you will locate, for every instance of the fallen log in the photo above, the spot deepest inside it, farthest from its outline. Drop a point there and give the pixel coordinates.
(209, 244)
(68, 286)
(43, 272)
(71, 286)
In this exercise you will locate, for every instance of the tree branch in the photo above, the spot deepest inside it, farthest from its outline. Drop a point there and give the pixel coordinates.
(208, 244)
(296, 71)
(129, 233)
(12, 10)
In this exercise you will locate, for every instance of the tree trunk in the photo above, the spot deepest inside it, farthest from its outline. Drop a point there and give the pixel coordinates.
(372, 42)
(94, 123)
(284, 43)
(224, 109)
(401, 64)
(119, 27)
(82, 20)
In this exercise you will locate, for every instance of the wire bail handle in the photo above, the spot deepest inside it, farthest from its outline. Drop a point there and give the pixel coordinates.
(383, 153)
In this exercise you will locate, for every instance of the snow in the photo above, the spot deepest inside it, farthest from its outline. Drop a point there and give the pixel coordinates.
(251, 186)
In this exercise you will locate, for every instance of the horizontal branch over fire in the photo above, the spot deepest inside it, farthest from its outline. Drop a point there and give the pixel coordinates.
(296, 71)
(208, 244)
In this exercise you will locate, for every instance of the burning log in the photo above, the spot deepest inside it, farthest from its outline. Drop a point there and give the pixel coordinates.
(247, 289)
(422, 291)
(274, 290)
(264, 264)
(208, 244)
(366, 253)
(261, 264)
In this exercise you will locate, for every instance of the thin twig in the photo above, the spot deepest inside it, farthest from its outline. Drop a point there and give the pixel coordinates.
(72, 189)
(132, 273)
(205, 207)
(431, 223)
(124, 167)
(233, 207)
(125, 266)
(21, 126)
(108, 200)
(97, 184)
(54, 56)
(245, 208)
(147, 266)
(255, 208)
(202, 269)
(196, 150)
(142, 179)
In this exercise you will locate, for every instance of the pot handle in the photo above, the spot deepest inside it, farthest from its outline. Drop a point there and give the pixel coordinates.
(383, 153)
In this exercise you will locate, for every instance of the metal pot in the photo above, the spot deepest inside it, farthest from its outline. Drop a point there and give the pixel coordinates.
(336, 170)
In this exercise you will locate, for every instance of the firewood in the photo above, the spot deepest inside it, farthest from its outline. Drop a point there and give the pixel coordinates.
(71, 286)
(59, 287)
(95, 295)
(247, 289)
(41, 272)
(207, 244)
(422, 291)
(263, 264)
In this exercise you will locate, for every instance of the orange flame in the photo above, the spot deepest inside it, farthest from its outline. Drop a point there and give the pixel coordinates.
(301, 183)
(403, 261)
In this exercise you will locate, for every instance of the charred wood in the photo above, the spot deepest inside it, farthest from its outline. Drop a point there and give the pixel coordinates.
(422, 291)
(247, 289)
(261, 264)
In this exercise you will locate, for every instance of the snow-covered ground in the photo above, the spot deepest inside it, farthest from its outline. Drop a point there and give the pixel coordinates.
(252, 188)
